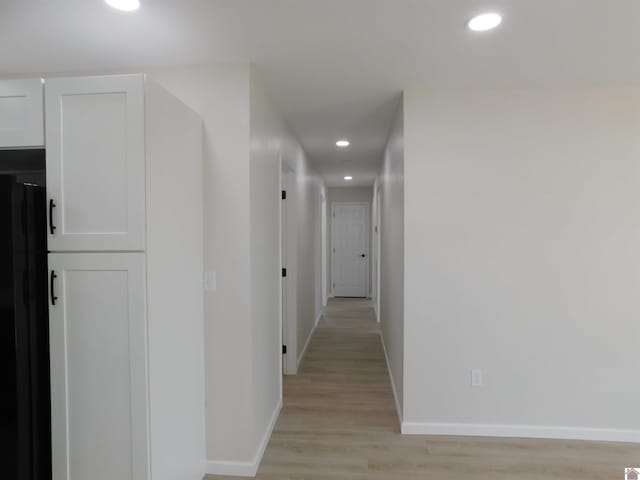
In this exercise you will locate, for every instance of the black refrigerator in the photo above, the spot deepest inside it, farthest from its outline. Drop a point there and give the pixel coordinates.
(25, 432)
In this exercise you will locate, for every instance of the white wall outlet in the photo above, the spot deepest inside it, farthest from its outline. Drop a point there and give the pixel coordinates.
(210, 282)
(476, 378)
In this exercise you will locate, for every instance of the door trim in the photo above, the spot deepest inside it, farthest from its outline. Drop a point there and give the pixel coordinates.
(288, 260)
(378, 220)
(368, 248)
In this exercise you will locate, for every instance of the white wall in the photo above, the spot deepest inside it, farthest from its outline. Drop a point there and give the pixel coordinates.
(392, 259)
(265, 139)
(174, 287)
(220, 95)
(245, 137)
(523, 259)
(309, 275)
(344, 194)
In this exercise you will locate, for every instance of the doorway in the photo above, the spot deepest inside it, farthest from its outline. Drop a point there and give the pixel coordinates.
(350, 249)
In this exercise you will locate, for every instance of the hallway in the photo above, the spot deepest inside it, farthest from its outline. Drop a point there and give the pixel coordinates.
(339, 422)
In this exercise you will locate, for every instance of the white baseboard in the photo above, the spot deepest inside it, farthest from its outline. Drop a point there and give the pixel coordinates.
(393, 383)
(306, 344)
(521, 431)
(246, 469)
(231, 469)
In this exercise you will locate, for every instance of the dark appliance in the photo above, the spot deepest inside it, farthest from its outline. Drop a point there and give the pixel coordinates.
(25, 431)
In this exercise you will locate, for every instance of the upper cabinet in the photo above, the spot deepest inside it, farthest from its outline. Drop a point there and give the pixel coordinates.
(21, 113)
(96, 163)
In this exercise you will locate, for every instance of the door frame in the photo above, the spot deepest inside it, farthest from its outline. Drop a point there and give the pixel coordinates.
(378, 250)
(333, 244)
(323, 241)
(288, 259)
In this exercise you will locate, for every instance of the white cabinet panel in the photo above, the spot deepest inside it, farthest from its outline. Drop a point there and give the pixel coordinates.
(96, 163)
(21, 113)
(99, 367)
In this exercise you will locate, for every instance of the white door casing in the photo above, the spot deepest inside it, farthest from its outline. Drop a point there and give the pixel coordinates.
(98, 343)
(21, 113)
(378, 252)
(350, 249)
(323, 242)
(96, 163)
(288, 242)
(283, 263)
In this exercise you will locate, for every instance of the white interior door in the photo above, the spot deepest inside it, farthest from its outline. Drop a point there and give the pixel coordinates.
(96, 163)
(98, 366)
(350, 249)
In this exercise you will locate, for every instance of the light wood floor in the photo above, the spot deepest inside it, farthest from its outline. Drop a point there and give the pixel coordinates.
(339, 422)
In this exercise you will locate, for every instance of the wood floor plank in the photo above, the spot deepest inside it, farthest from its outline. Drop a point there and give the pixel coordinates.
(339, 422)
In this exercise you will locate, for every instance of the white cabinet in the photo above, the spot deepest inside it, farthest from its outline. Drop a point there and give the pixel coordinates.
(124, 170)
(21, 113)
(96, 163)
(98, 366)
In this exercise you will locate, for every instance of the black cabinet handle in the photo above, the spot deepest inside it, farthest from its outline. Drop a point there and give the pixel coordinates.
(363, 255)
(52, 287)
(25, 288)
(52, 227)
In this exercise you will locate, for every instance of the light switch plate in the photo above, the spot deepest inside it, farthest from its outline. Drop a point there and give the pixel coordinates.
(476, 378)
(210, 281)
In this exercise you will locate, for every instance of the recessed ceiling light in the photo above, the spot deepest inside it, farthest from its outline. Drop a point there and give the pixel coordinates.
(343, 143)
(125, 5)
(484, 22)
(348, 177)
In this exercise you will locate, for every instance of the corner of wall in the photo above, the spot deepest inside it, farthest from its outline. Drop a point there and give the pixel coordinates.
(399, 407)
(247, 468)
(392, 261)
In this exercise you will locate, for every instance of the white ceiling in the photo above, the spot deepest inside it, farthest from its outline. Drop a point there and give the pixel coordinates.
(336, 67)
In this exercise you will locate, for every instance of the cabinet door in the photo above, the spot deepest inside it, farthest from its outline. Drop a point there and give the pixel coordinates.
(21, 113)
(98, 366)
(96, 163)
